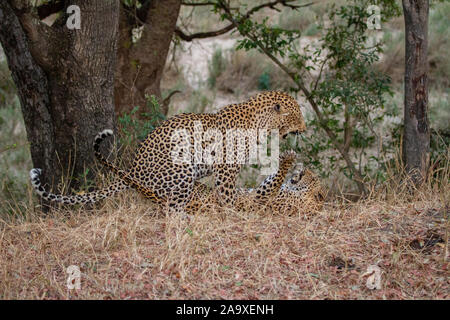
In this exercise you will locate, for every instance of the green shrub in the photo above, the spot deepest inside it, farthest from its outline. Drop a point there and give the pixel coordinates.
(136, 126)
(264, 81)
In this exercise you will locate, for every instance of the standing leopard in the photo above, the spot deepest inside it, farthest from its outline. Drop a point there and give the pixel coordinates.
(167, 182)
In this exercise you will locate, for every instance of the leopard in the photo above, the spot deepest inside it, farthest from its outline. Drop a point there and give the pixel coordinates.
(157, 176)
(302, 194)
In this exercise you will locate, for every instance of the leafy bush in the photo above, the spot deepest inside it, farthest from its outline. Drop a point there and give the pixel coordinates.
(264, 81)
(135, 126)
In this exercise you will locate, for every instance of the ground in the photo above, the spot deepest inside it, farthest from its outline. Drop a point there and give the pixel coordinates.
(126, 249)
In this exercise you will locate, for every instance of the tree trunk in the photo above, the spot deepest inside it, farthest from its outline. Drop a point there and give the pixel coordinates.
(32, 87)
(140, 65)
(65, 81)
(416, 138)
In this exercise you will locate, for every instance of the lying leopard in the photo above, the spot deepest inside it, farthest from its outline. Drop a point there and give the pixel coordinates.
(164, 181)
(301, 194)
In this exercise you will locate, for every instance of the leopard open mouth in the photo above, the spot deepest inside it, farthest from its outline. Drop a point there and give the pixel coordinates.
(295, 132)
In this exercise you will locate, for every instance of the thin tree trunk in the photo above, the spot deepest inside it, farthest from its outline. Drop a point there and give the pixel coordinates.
(416, 138)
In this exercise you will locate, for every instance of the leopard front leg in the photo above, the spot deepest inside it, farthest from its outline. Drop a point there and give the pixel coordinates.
(270, 187)
(225, 176)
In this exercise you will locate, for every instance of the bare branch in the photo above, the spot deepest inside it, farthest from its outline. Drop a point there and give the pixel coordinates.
(207, 3)
(202, 35)
(295, 7)
(198, 4)
(272, 5)
(320, 73)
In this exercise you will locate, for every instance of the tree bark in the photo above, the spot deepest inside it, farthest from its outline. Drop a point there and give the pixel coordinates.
(140, 65)
(32, 86)
(65, 81)
(416, 138)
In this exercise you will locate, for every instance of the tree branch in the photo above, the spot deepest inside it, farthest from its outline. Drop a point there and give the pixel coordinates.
(202, 35)
(209, 34)
(39, 35)
(39, 38)
(272, 5)
(198, 4)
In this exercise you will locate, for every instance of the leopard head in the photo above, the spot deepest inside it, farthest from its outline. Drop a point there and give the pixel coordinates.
(278, 110)
(307, 182)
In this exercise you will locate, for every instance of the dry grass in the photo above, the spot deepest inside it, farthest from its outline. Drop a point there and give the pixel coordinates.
(127, 248)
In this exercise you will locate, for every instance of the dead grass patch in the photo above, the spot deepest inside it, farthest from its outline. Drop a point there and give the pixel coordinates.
(128, 249)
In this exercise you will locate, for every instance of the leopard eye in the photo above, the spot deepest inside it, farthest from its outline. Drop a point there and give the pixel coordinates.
(277, 108)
